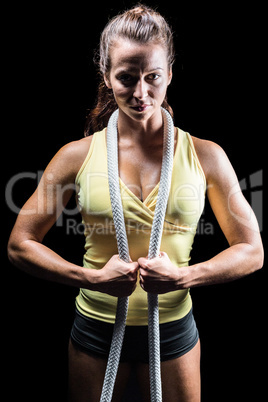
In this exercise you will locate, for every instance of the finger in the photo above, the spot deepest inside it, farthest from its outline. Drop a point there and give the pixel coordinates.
(143, 262)
(143, 272)
(136, 265)
(133, 269)
(130, 265)
(162, 254)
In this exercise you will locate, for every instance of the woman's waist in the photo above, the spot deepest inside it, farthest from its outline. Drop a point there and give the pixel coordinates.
(101, 306)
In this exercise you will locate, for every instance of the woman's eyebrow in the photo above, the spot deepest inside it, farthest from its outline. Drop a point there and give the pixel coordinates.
(157, 68)
(133, 68)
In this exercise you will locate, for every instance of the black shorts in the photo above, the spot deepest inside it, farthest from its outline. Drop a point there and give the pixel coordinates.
(94, 338)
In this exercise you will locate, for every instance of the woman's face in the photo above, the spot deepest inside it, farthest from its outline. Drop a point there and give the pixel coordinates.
(139, 77)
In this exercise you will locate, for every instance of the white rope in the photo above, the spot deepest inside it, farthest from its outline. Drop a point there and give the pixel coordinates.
(154, 248)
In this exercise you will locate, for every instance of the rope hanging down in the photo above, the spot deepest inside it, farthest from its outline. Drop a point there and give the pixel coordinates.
(154, 249)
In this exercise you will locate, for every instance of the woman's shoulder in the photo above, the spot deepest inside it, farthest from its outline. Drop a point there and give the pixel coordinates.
(212, 157)
(71, 156)
(76, 150)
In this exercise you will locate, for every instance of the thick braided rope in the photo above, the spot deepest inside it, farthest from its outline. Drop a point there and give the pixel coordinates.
(121, 237)
(154, 247)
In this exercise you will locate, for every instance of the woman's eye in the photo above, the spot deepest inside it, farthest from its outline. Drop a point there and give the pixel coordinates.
(153, 76)
(128, 79)
(125, 78)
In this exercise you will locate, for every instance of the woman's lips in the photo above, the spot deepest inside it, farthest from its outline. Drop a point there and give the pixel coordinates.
(140, 108)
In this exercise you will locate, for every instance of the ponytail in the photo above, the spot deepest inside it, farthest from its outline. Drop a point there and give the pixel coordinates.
(98, 117)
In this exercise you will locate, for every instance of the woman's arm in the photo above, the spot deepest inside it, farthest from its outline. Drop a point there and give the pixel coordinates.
(237, 221)
(40, 212)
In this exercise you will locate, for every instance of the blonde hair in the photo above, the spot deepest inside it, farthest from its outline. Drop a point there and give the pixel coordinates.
(141, 24)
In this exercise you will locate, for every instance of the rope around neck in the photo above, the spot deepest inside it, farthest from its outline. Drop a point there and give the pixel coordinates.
(154, 248)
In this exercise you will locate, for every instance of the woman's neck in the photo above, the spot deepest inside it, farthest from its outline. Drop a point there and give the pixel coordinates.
(144, 131)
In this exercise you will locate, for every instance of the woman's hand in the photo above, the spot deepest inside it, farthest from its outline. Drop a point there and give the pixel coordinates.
(117, 278)
(158, 275)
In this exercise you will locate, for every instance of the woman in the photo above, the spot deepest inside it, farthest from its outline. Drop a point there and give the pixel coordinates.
(135, 60)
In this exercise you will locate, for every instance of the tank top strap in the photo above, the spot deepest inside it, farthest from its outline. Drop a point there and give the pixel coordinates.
(186, 155)
(96, 155)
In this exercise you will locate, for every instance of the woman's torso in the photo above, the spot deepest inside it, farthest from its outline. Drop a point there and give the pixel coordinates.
(185, 206)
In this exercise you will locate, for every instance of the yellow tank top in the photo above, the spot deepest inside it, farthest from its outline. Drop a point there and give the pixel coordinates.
(185, 206)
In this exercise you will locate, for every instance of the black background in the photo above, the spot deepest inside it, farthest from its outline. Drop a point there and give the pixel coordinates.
(50, 81)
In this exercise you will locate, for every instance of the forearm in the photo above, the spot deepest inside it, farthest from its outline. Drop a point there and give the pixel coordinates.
(116, 278)
(40, 261)
(233, 263)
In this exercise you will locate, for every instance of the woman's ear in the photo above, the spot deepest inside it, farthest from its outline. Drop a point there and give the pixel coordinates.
(170, 75)
(107, 81)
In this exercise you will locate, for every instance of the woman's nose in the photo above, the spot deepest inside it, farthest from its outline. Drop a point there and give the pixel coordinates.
(141, 90)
